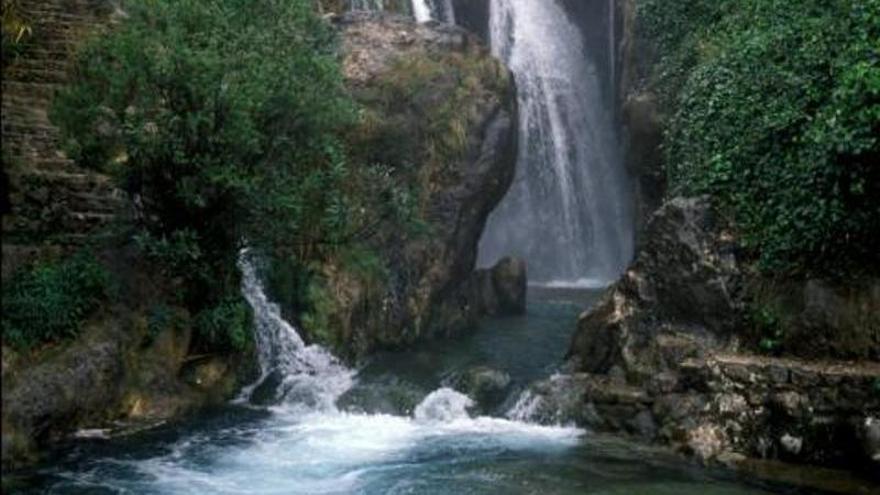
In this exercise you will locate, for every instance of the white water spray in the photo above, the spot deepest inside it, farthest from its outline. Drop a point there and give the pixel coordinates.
(309, 375)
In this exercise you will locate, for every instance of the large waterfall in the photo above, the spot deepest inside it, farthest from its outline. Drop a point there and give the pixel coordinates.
(568, 213)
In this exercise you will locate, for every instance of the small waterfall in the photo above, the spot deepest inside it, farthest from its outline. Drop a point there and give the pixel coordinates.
(568, 213)
(305, 375)
(422, 10)
(439, 10)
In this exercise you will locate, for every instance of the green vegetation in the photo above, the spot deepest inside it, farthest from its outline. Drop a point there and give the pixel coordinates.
(15, 29)
(51, 300)
(775, 112)
(226, 121)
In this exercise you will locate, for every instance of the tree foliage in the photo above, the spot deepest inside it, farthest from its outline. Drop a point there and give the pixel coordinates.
(225, 121)
(775, 112)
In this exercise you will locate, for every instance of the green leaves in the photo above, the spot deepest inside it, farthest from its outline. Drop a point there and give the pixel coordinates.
(779, 121)
(226, 120)
(50, 301)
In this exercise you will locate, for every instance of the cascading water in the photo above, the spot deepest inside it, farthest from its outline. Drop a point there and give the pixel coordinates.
(568, 213)
(422, 10)
(439, 10)
(304, 443)
(305, 375)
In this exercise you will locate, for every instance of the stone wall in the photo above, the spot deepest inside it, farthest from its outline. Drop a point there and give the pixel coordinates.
(52, 202)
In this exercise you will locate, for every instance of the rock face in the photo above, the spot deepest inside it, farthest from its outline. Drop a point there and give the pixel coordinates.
(118, 369)
(660, 358)
(440, 110)
(679, 298)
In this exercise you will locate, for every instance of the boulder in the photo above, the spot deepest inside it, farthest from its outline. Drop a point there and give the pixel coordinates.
(500, 290)
(486, 386)
(679, 298)
(661, 355)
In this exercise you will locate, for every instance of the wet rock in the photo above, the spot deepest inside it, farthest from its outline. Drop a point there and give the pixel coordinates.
(706, 442)
(388, 396)
(679, 297)
(509, 281)
(791, 444)
(486, 386)
(500, 290)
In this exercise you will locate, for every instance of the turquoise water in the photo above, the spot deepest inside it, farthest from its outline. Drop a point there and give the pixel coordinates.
(435, 447)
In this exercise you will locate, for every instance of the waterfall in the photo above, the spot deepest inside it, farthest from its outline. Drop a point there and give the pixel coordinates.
(307, 375)
(612, 48)
(422, 10)
(427, 10)
(568, 213)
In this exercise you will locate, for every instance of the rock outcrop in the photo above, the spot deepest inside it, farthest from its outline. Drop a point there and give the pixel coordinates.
(123, 369)
(665, 357)
(440, 110)
(498, 291)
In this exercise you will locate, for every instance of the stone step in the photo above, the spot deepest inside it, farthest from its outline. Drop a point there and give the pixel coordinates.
(41, 90)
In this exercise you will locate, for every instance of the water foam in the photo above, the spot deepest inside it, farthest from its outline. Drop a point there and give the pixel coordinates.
(310, 376)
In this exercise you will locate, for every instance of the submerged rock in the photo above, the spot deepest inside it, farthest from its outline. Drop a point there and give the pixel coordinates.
(500, 290)
(486, 386)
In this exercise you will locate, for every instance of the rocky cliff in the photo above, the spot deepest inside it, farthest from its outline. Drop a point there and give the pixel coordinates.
(441, 111)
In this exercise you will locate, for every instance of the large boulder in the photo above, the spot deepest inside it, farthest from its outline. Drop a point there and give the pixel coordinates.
(664, 356)
(680, 296)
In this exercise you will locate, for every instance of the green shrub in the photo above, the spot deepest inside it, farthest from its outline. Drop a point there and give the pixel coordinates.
(776, 114)
(224, 327)
(226, 120)
(51, 300)
(222, 116)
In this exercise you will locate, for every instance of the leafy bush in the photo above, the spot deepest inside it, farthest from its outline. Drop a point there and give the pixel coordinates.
(776, 114)
(225, 120)
(225, 327)
(222, 116)
(51, 300)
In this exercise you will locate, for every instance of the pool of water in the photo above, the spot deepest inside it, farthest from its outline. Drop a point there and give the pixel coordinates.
(438, 447)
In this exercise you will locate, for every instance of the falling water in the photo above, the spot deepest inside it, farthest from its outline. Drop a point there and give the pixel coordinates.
(440, 10)
(422, 10)
(306, 375)
(568, 212)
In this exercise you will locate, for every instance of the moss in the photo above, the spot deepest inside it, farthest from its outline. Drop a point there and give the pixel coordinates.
(420, 114)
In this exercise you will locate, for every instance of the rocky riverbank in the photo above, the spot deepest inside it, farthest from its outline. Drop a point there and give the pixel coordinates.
(668, 356)
(435, 105)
